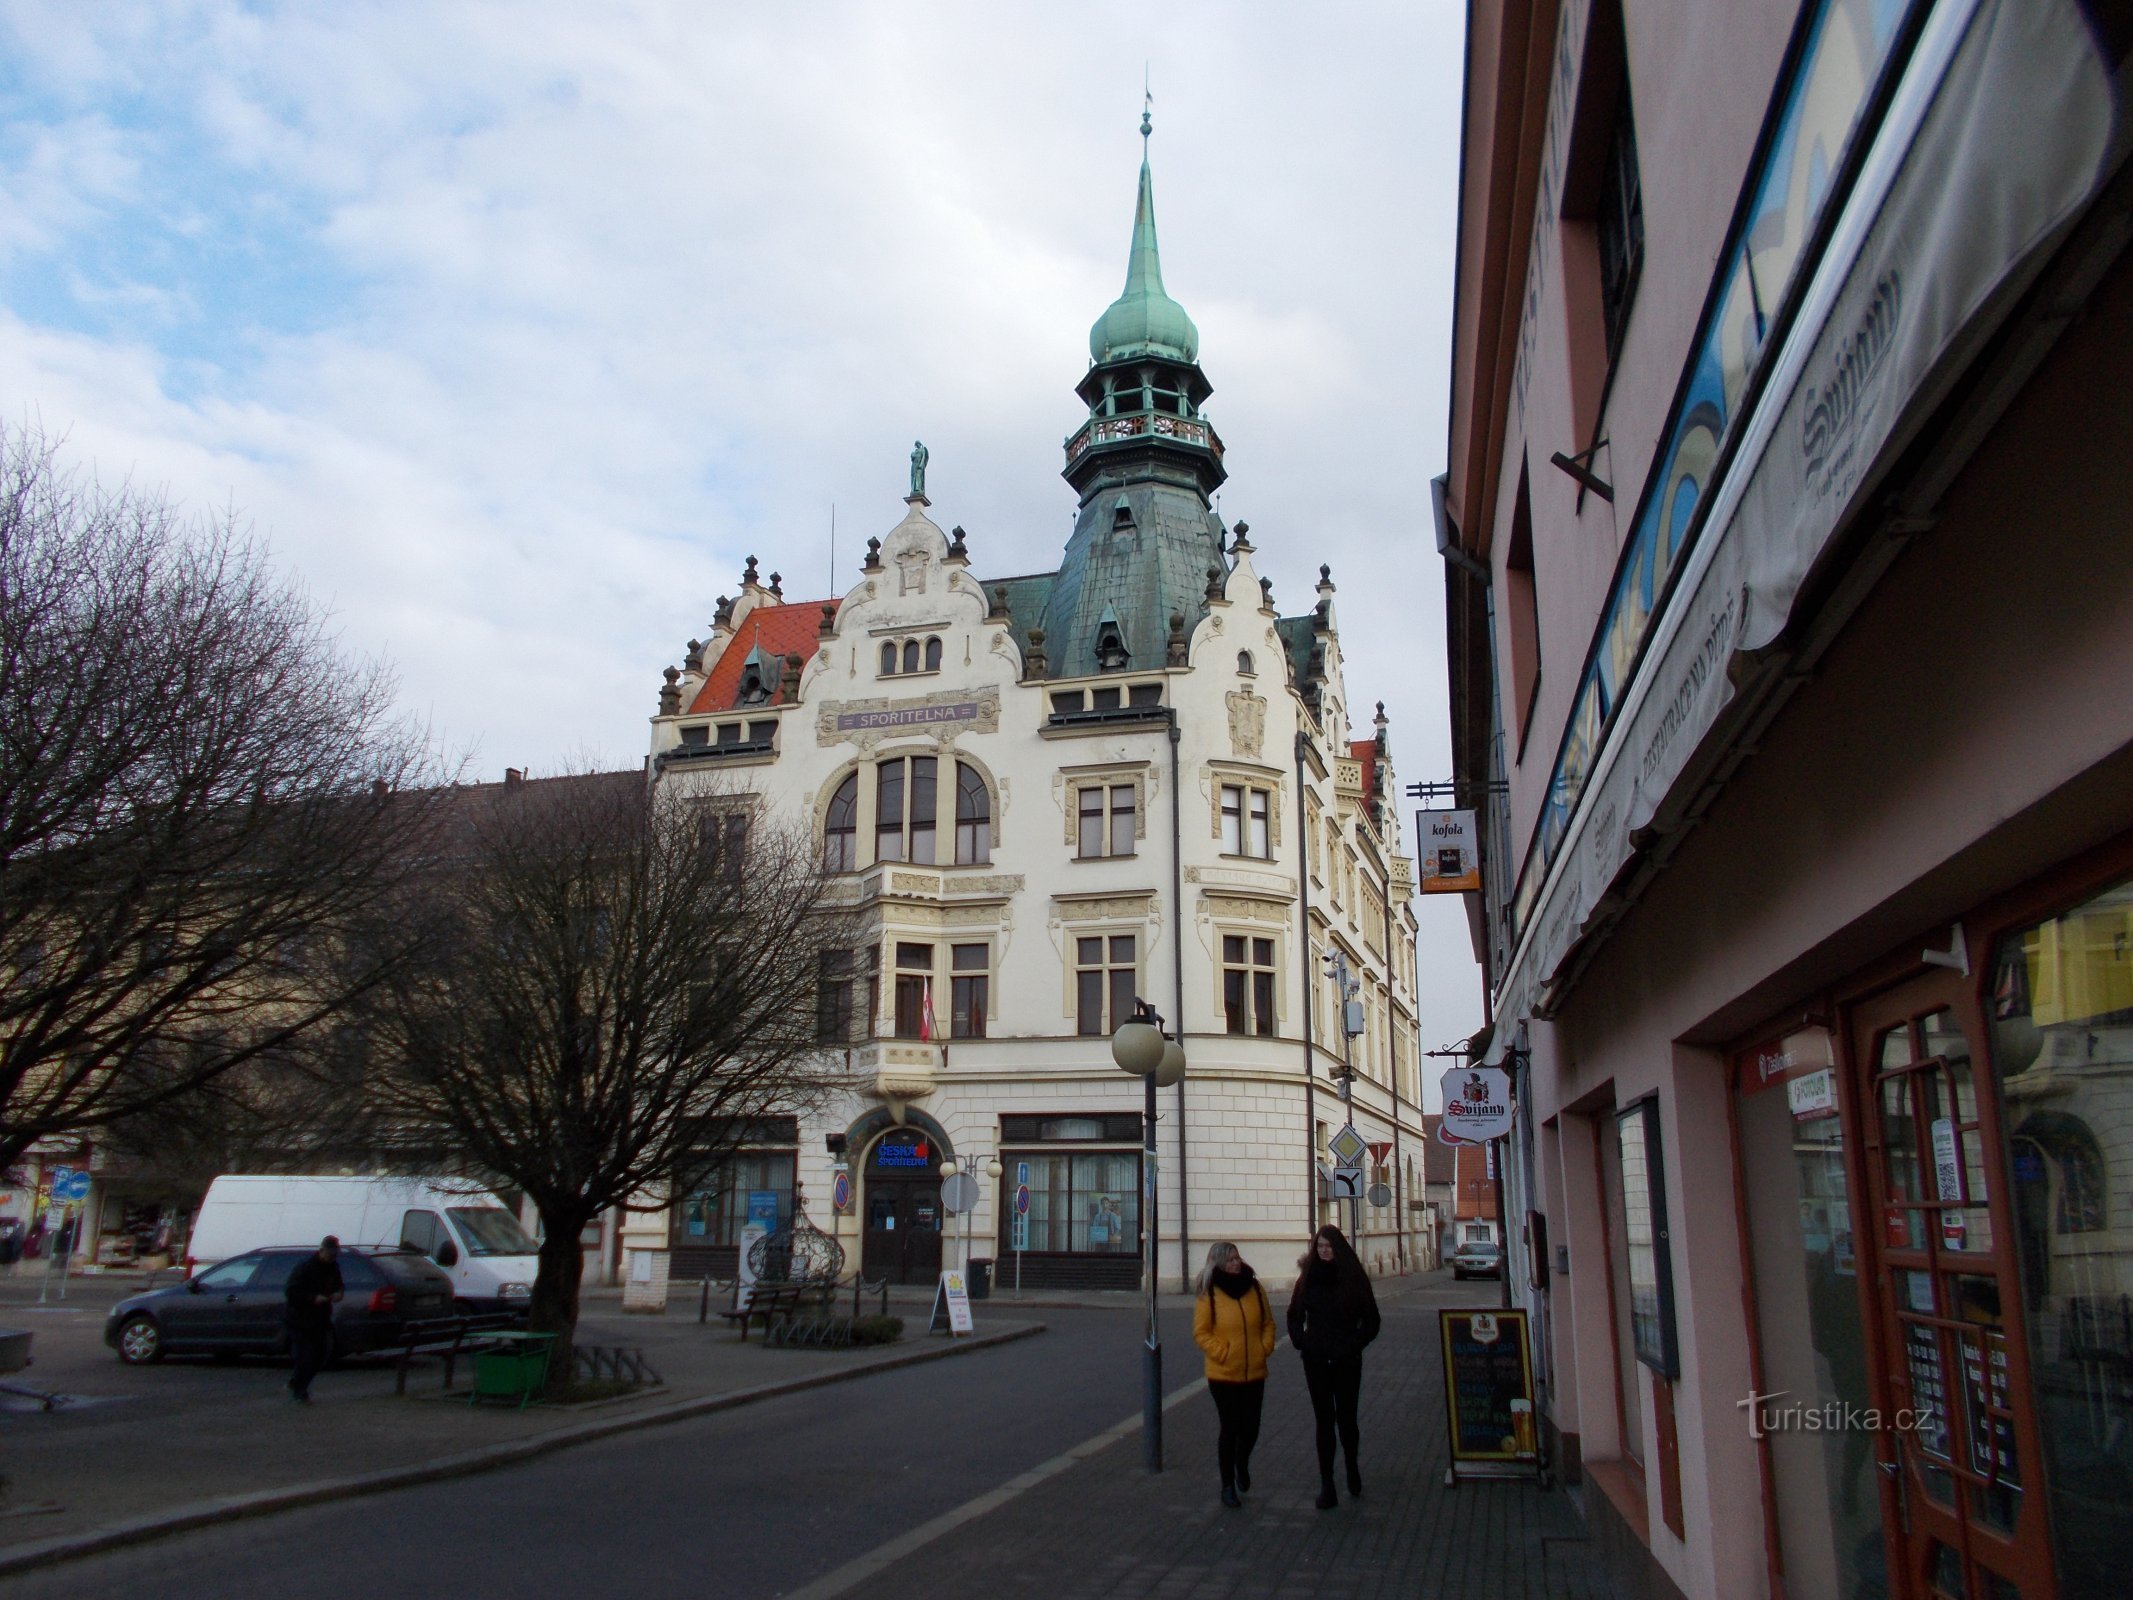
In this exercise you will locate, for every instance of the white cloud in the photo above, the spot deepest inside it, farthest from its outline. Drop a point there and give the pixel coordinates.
(611, 296)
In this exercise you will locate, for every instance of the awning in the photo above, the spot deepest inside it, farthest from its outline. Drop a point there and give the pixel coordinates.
(1995, 139)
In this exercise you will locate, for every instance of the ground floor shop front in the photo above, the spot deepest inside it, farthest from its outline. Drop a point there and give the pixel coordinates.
(1238, 1157)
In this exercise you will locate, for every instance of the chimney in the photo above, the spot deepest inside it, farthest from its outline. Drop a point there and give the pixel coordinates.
(513, 777)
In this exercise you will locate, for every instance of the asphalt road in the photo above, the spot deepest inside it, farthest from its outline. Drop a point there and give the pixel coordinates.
(746, 1503)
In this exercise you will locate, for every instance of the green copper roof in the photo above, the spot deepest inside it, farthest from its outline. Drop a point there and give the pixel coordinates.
(1144, 320)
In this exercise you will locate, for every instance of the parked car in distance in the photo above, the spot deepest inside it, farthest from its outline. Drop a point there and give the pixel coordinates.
(1477, 1259)
(235, 1307)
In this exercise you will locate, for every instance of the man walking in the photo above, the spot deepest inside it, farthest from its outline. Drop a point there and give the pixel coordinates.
(313, 1290)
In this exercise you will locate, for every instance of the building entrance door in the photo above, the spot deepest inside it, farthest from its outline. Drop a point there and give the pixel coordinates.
(1958, 1449)
(902, 1241)
(903, 1235)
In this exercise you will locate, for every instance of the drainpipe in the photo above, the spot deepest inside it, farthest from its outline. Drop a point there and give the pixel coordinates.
(1399, 1179)
(1177, 965)
(1308, 967)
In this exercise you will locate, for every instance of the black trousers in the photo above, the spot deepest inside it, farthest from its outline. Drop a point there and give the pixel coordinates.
(1335, 1387)
(309, 1349)
(1237, 1405)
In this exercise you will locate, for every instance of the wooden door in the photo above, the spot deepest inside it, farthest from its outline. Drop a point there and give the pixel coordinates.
(903, 1230)
(1958, 1449)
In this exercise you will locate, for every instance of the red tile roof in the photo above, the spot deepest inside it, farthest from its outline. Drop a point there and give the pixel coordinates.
(794, 629)
(1366, 751)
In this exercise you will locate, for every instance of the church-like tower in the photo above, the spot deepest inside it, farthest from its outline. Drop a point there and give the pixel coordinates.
(1144, 464)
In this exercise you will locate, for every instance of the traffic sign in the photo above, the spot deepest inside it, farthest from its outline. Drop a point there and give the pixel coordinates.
(841, 1190)
(1022, 1173)
(70, 1184)
(1021, 1199)
(1379, 1150)
(1347, 1146)
(959, 1194)
(1381, 1195)
(1342, 1183)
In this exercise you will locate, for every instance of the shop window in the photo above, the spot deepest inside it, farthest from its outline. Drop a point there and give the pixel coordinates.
(840, 827)
(1105, 978)
(1245, 827)
(1082, 1202)
(973, 817)
(914, 992)
(717, 1208)
(1646, 1239)
(1104, 820)
(970, 984)
(2060, 1004)
(1248, 984)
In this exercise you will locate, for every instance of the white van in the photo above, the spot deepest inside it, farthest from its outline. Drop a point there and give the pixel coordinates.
(465, 1230)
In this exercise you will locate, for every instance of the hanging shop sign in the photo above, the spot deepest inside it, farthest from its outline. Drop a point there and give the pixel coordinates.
(1450, 852)
(1477, 1102)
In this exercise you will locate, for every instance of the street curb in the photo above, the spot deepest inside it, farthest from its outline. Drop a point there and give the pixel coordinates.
(263, 1502)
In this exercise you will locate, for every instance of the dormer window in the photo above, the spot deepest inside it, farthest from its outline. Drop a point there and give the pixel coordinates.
(1111, 651)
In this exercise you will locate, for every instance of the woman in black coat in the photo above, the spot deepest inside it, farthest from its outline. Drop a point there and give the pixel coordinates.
(1333, 1313)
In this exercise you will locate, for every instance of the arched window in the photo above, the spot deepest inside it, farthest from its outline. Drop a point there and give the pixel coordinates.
(973, 817)
(840, 828)
(888, 658)
(1244, 663)
(910, 655)
(933, 655)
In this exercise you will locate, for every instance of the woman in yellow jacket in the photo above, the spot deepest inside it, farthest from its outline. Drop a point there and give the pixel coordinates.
(1234, 1327)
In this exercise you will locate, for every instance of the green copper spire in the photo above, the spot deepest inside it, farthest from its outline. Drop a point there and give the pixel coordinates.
(1144, 320)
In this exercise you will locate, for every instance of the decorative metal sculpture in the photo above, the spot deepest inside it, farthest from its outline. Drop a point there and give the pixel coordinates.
(801, 1254)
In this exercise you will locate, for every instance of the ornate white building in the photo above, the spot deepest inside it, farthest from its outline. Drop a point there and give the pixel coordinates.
(1051, 794)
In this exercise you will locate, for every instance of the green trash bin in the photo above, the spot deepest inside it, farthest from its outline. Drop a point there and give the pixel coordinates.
(516, 1370)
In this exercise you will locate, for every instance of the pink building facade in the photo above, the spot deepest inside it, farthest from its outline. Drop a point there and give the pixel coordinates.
(1789, 569)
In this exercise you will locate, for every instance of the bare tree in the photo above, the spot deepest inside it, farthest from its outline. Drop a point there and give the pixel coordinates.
(620, 982)
(199, 796)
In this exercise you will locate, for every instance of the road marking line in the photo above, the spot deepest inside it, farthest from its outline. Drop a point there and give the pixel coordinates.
(855, 1572)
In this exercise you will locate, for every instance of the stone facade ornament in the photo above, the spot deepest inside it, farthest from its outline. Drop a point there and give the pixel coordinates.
(920, 455)
(866, 723)
(1247, 724)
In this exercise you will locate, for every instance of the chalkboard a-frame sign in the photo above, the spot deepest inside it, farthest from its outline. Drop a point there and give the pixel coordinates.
(1488, 1396)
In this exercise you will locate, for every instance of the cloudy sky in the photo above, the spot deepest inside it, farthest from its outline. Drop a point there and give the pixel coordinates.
(515, 327)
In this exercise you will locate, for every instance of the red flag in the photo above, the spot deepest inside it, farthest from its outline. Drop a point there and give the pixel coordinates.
(928, 1029)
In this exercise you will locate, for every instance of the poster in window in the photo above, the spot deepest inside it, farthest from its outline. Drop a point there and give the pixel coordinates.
(1646, 1239)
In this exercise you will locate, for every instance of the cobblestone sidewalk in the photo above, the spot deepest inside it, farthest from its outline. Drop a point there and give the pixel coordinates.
(1106, 1531)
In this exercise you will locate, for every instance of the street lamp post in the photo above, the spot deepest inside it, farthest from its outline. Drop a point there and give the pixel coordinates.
(1140, 1047)
(992, 1169)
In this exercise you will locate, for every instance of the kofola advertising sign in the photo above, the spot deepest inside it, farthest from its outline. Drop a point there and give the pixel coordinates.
(1477, 1102)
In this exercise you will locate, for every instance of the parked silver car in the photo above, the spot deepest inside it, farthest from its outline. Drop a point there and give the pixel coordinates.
(1477, 1259)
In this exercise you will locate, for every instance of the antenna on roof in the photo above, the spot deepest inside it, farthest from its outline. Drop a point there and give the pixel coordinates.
(833, 547)
(1147, 107)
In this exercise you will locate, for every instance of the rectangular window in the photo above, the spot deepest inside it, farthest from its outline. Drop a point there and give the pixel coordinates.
(971, 984)
(1619, 227)
(1104, 981)
(1247, 821)
(729, 733)
(726, 832)
(833, 997)
(696, 737)
(1103, 699)
(889, 811)
(925, 808)
(1068, 703)
(1087, 1202)
(1645, 1234)
(1248, 984)
(914, 979)
(1104, 820)
(1145, 694)
(715, 1211)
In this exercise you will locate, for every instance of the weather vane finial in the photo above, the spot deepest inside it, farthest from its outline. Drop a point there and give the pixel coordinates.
(1147, 105)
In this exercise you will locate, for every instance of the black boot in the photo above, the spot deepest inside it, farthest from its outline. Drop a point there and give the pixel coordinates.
(1244, 1478)
(1355, 1482)
(1327, 1499)
(1229, 1497)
